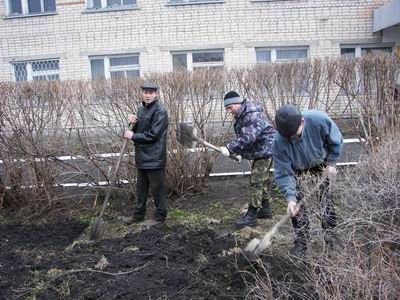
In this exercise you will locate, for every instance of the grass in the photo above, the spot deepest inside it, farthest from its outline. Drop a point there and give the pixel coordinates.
(177, 214)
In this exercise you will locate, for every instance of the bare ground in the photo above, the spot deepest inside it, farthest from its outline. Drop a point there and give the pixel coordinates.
(196, 254)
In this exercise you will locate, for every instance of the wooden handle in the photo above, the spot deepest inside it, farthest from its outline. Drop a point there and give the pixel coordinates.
(266, 239)
(211, 146)
(114, 174)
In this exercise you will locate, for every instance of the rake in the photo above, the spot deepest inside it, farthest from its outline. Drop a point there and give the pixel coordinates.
(187, 136)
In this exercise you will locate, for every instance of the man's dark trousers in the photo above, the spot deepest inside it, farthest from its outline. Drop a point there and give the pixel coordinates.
(301, 221)
(154, 179)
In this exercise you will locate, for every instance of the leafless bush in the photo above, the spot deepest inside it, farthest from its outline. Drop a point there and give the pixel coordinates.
(366, 263)
(42, 121)
(194, 98)
(33, 119)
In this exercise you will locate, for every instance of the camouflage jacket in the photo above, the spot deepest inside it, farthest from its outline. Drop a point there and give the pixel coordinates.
(254, 132)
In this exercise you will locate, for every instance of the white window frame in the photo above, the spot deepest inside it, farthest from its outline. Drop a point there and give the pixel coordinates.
(25, 8)
(186, 2)
(197, 65)
(274, 51)
(359, 47)
(89, 5)
(108, 69)
(29, 71)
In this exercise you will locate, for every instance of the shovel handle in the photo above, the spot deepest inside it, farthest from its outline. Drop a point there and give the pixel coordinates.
(114, 174)
(271, 233)
(211, 146)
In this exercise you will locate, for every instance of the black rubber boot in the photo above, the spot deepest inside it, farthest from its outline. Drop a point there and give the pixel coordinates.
(299, 249)
(332, 241)
(249, 219)
(265, 212)
(131, 220)
(159, 218)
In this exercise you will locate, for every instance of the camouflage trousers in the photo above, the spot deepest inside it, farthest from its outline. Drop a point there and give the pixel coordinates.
(261, 181)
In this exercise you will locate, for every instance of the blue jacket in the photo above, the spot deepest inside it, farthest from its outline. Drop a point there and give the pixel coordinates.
(254, 132)
(320, 142)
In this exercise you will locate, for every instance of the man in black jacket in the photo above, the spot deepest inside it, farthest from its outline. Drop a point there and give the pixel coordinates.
(149, 134)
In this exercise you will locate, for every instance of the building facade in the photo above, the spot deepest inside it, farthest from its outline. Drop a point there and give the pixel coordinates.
(88, 39)
(387, 23)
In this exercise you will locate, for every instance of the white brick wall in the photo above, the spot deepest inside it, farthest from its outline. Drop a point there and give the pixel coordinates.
(155, 29)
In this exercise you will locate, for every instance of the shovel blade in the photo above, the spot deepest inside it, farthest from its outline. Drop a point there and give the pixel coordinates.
(185, 135)
(252, 245)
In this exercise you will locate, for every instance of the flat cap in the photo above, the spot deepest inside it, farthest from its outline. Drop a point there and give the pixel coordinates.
(149, 86)
(287, 120)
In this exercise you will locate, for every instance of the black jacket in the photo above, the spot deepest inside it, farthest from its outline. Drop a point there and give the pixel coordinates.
(150, 136)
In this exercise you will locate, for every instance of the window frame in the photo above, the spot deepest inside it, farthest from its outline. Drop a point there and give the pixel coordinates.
(359, 47)
(108, 69)
(192, 2)
(274, 53)
(30, 73)
(191, 66)
(105, 8)
(25, 9)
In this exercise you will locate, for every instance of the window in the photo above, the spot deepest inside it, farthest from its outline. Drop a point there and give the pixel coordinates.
(26, 7)
(116, 66)
(191, 61)
(36, 70)
(266, 55)
(105, 4)
(352, 51)
(177, 2)
(348, 52)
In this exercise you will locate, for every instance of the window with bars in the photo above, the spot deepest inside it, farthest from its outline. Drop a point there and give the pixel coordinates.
(105, 4)
(192, 1)
(26, 7)
(267, 55)
(116, 66)
(352, 51)
(36, 70)
(193, 60)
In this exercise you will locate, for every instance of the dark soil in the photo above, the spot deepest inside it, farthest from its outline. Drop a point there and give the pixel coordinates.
(170, 261)
(164, 261)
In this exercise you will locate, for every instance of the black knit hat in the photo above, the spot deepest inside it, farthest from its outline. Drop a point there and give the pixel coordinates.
(149, 86)
(287, 120)
(232, 98)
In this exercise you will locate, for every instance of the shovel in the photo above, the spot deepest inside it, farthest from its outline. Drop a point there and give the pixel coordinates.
(95, 231)
(256, 246)
(187, 136)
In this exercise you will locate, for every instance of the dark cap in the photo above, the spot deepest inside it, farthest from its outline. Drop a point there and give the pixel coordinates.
(149, 86)
(288, 120)
(232, 98)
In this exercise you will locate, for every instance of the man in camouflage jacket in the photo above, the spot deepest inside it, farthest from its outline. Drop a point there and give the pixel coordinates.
(254, 138)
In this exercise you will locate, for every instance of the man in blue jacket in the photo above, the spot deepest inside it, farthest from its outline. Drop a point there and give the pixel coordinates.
(308, 142)
(254, 137)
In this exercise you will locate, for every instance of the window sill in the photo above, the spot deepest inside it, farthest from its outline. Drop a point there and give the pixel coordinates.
(110, 9)
(30, 15)
(266, 0)
(172, 3)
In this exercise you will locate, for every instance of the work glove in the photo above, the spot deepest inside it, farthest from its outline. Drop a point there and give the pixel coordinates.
(292, 209)
(225, 151)
(330, 171)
